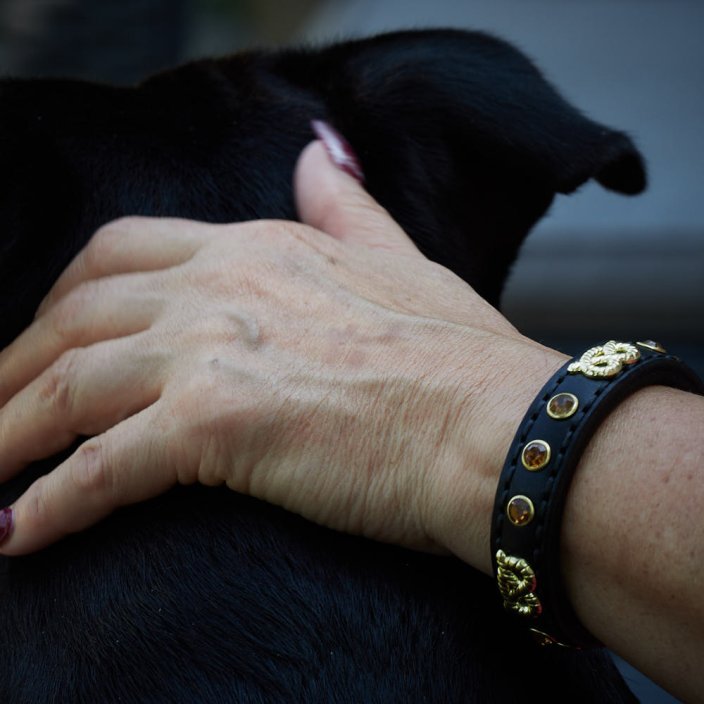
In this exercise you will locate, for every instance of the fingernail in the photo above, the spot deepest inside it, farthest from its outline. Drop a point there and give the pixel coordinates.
(339, 149)
(5, 523)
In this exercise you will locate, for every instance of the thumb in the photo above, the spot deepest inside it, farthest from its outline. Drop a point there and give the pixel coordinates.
(330, 199)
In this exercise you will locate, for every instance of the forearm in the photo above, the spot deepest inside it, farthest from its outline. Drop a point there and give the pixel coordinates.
(633, 537)
(633, 527)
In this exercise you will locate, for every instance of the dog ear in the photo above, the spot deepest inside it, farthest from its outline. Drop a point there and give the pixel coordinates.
(492, 100)
(463, 140)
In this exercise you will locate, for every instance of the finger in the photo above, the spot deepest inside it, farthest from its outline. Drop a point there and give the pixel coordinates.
(85, 392)
(128, 245)
(331, 200)
(123, 466)
(110, 308)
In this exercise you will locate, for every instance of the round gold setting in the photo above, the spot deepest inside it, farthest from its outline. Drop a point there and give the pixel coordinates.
(562, 406)
(520, 510)
(535, 455)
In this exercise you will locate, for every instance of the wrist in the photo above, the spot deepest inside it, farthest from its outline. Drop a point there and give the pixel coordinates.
(494, 387)
(529, 513)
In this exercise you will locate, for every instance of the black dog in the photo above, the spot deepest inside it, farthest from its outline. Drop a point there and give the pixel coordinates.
(206, 596)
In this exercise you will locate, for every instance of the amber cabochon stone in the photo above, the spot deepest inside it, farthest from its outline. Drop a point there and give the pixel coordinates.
(520, 510)
(563, 405)
(535, 455)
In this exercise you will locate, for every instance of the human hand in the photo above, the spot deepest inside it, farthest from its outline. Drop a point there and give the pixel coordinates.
(326, 367)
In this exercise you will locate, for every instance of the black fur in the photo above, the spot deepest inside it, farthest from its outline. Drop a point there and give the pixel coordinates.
(206, 596)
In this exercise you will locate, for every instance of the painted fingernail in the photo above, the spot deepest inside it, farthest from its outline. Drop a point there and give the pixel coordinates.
(339, 149)
(5, 523)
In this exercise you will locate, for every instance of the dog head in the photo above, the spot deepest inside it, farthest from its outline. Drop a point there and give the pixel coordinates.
(459, 135)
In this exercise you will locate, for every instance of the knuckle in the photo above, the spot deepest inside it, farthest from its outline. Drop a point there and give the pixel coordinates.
(105, 242)
(102, 245)
(304, 243)
(90, 471)
(204, 384)
(297, 235)
(280, 234)
(68, 312)
(59, 387)
(116, 228)
(35, 507)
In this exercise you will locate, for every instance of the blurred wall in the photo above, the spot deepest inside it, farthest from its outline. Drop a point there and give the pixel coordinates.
(121, 41)
(110, 40)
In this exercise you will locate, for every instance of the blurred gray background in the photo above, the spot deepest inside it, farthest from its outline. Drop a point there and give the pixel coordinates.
(600, 265)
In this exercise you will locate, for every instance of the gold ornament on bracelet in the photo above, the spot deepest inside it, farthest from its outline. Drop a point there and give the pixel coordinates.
(517, 584)
(605, 361)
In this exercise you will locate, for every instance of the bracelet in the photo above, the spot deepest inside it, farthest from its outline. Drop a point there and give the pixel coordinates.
(541, 461)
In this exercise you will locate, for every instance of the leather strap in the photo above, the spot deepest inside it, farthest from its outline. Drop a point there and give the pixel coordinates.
(530, 499)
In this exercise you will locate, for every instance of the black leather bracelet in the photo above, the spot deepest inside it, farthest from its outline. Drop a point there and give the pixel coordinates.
(530, 499)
